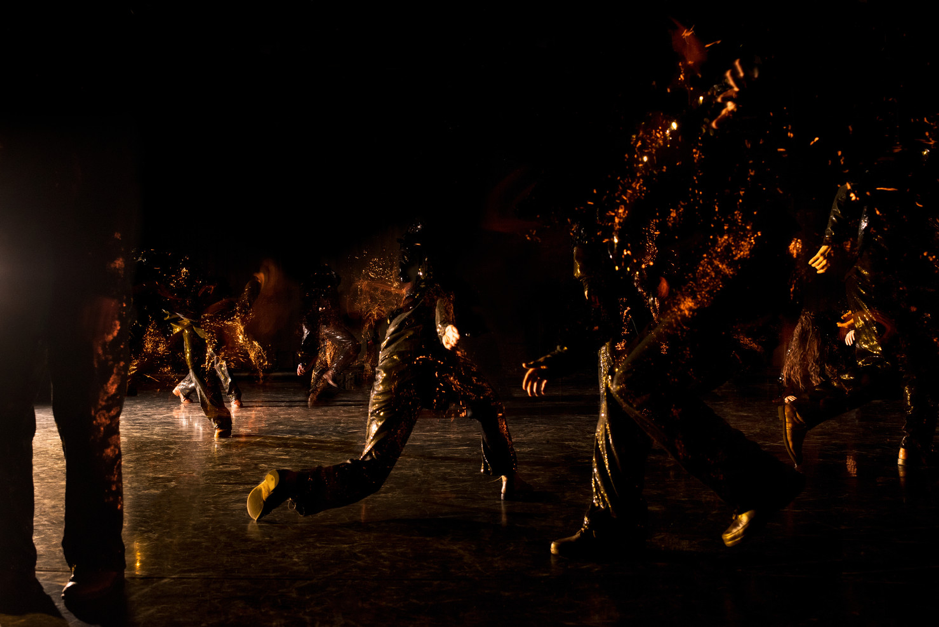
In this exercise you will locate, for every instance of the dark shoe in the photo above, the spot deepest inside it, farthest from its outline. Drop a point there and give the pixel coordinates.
(794, 430)
(274, 490)
(92, 586)
(22, 594)
(587, 544)
(222, 432)
(745, 524)
(515, 488)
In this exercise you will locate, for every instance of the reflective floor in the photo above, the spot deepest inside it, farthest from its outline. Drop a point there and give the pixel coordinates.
(437, 546)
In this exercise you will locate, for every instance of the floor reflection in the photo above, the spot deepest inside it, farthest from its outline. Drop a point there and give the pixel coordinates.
(437, 544)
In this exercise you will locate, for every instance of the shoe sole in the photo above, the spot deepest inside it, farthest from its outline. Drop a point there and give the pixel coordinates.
(260, 494)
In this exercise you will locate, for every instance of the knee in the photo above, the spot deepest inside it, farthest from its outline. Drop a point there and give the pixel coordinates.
(374, 472)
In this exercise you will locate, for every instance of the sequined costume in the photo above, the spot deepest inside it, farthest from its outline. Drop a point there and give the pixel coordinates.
(651, 382)
(695, 232)
(64, 239)
(327, 347)
(206, 378)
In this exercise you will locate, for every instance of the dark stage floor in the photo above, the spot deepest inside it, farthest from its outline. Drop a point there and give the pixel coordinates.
(437, 546)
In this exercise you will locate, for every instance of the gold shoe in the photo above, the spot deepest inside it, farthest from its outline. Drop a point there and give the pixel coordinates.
(745, 524)
(794, 430)
(737, 531)
(269, 494)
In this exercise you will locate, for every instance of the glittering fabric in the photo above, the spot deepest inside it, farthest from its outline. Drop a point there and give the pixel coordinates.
(685, 255)
(333, 348)
(206, 375)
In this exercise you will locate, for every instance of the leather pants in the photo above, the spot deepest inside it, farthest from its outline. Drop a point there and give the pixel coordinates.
(404, 384)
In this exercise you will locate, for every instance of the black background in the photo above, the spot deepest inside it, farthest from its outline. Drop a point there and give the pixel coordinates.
(304, 132)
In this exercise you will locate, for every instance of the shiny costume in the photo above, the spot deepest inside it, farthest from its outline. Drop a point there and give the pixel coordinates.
(207, 375)
(895, 277)
(414, 371)
(650, 388)
(66, 297)
(201, 326)
(219, 348)
(685, 257)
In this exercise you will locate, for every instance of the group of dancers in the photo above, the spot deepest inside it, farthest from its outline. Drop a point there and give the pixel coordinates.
(686, 259)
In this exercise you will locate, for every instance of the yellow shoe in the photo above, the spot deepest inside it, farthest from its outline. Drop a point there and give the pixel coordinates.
(268, 495)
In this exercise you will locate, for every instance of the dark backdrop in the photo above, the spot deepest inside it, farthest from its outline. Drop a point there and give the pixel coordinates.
(304, 134)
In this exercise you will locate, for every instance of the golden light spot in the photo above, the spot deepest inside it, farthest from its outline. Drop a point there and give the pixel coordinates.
(795, 247)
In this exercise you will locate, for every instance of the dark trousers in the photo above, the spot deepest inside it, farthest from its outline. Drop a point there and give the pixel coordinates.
(67, 219)
(205, 379)
(652, 392)
(404, 384)
(84, 339)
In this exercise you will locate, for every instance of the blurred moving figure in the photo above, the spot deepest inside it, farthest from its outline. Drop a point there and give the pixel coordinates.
(68, 207)
(419, 366)
(327, 347)
(683, 258)
(890, 207)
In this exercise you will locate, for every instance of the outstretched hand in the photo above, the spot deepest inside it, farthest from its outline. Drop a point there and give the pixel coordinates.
(820, 261)
(534, 381)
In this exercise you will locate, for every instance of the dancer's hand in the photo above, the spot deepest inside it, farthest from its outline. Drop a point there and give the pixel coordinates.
(847, 322)
(534, 381)
(450, 337)
(301, 370)
(820, 260)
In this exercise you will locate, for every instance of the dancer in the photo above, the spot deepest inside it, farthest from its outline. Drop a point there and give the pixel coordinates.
(895, 274)
(327, 346)
(221, 326)
(69, 208)
(420, 365)
(821, 376)
(697, 236)
(208, 374)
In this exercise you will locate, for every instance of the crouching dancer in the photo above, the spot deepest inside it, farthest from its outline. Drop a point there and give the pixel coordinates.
(419, 366)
